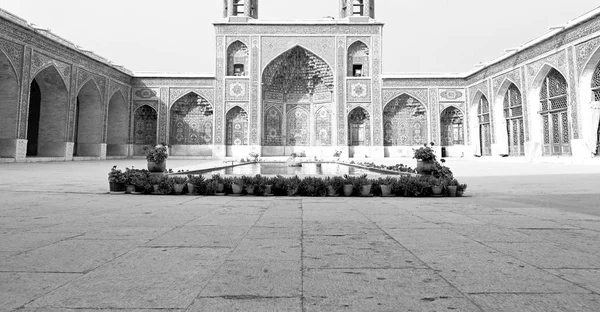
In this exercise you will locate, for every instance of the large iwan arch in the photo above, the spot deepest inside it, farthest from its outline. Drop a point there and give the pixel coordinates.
(89, 121)
(296, 85)
(117, 126)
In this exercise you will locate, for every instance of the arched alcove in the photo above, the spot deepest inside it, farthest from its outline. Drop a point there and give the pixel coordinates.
(589, 94)
(359, 64)
(191, 126)
(9, 107)
(323, 127)
(513, 121)
(89, 121)
(117, 126)
(552, 108)
(484, 127)
(47, 119)
(405, 122)
(237, 59)
(452, 127)
(145, 127)
(236, 131)
(295, 85)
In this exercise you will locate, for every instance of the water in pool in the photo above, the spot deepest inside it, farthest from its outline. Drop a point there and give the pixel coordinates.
(283, 169)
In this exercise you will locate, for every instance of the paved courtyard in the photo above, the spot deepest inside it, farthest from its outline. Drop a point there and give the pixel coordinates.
(527, 238)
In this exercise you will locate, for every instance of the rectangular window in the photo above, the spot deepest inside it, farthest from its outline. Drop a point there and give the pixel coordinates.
(358, 8)
(238, 69)
(357, 70)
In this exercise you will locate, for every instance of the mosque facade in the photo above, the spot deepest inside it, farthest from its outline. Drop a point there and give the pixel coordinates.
(310, 88)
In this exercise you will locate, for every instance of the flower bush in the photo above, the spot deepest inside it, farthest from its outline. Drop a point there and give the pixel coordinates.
(157, 154)
(424, 153)
(116, 175)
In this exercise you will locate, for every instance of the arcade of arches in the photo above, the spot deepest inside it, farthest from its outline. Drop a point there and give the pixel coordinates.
(293, 87)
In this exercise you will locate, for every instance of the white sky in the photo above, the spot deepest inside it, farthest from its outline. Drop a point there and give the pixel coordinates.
(419, 35)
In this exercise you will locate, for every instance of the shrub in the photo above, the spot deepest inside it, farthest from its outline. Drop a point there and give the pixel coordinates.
(157, 154)
(424, 153)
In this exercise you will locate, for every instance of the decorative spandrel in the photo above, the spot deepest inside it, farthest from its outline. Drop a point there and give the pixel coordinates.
(404, 122)
(145, 125)
(452, 126)
(191, 121)
(237, 127)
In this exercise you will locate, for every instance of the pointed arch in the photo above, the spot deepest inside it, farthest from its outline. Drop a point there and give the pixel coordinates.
(47, 118)
(273, 124)
(191, 121)
(289, 51)
(9, 107)
(145, 126)
(359, 127)
(323, 127)
(237, 126)
(589, 93)
(485, 126)
(359, 60)
(452, 126)
(404, 122)
(117, 125)
(238, 57)
(553, 111)
(89, 119)
(298, 126)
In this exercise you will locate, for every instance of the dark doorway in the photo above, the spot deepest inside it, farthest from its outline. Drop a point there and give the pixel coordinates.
(33, 121)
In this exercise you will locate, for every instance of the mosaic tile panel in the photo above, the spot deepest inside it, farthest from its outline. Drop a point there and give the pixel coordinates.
(359, 90)
(237, 127)
(191, 124)
(145, 122)
(404, 122)
(341, 107)
(377, 105)
(574, 103)
(323, 127)
(237, 90)
(272, 47)
(585, 51)
(25, 89)
(219, 107)
(14, 53)
(298, 127)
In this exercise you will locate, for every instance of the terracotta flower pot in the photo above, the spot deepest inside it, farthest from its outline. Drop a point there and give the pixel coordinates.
(452, 190)
(178, 188)
(157, 167)
(348, 189)
(267, 189)
(386, 190)
(129, 189)
(331, 191)
(191, 188)
(437, 189)
(250, 189)
(237, 189)
(365, 190)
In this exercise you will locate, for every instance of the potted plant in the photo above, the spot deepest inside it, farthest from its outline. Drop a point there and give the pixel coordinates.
(178, 184)
(348, 185)
(292, 185)
(265, 185)
(219, 183)
(157, 158)
(116, 180)
(452, 187)
(334, 184)
(460, 189)
(165, 185)
(436, 187)
(386, 185)
(426, 159)
(237, 186)
(365, 185)
(254, 156)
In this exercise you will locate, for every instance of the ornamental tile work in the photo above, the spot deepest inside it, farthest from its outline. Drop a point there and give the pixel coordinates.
(145, 125)
(255, 111)
(40, 61)
(219, 100)
(177, 93)
(452, 95)
(377, 105)
(191, 123)
(323, 127)
(513, 76)
(557, 60)
(237, 90)
(404, 122)
(573, 98)
(273, 125)
(585, 51)
(145, 93)
(272, 47)
(25, 89)
(359, 90)
(14, 53)
(342, 113)
(419, 94)
(434, 115)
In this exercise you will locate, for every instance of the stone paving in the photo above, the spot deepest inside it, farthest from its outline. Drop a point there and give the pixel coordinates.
(526, 239)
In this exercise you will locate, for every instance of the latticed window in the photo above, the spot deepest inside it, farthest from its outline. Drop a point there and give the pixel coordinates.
(483, 111)
(145, 125)
(358, 7)
(513, 103)
(452, 127)
(237, 127)
(238, 7)
(554, 99)
(485, 133)
(513, 113)
(553, 95)
(596, 83)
